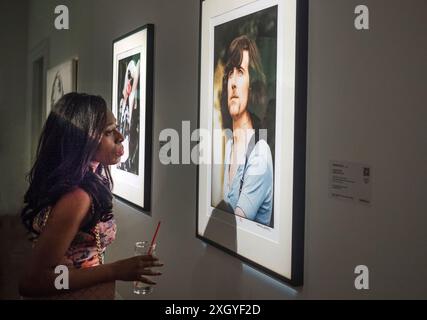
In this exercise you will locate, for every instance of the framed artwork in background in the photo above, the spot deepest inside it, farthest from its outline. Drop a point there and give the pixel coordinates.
(132, 105)
(251, 180)
(60, 80)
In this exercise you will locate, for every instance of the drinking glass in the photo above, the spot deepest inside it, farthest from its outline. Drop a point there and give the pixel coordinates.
(143, 248)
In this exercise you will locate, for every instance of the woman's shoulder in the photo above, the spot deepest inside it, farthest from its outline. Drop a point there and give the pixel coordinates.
(77, 195)
(76, 202)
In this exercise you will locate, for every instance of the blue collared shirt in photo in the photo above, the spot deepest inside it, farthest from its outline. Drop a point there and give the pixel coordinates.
(256, 197)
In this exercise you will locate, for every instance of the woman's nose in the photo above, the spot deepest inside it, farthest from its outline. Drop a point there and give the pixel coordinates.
(119, 137)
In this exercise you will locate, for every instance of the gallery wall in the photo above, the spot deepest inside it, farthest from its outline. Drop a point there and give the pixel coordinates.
(13, 70)
(366, 96)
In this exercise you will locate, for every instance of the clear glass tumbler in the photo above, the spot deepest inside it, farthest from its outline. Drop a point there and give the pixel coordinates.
(143, 248)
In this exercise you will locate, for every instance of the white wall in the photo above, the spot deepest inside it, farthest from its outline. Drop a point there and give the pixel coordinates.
(367, 93)
(366, 103)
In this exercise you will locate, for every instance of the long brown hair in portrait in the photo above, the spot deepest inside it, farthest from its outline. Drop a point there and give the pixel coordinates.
(257, 80)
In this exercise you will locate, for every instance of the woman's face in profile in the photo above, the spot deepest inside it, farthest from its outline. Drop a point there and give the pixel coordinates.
(110, 148)
(238, 88)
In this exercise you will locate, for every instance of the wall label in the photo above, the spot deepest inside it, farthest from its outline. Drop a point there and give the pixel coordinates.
(350, 181)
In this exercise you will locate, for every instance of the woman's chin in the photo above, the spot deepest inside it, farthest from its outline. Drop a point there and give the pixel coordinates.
(114, 161)
(117, 161)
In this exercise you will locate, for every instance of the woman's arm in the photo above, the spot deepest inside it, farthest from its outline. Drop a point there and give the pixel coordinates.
(62, 226)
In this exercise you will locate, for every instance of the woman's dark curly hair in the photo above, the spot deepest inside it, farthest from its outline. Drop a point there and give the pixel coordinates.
(68, 143)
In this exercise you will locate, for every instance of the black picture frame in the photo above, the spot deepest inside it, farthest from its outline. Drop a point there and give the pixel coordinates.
(295, 258)
(134, 45)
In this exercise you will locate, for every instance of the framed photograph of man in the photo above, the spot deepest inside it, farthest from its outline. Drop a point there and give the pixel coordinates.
(60, 80)
(251, 176)
(132, 101)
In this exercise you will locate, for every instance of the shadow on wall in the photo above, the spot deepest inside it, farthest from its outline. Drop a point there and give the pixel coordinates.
(211, 278)
(233, 279)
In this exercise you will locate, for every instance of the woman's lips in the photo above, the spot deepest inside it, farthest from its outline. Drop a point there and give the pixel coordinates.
(120, 152)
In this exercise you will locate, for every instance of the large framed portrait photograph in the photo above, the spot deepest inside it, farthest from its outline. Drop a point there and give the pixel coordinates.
(60, 80)
(251, 176)
(132, 101)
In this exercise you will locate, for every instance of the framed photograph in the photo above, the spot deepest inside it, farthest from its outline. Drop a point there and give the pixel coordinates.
(60, 80)
(251, 172)
(132, 104)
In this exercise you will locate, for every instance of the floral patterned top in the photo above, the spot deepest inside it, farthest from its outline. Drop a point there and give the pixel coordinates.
(83, 252)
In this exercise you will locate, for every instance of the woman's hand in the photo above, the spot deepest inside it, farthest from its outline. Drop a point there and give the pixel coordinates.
(136, 268)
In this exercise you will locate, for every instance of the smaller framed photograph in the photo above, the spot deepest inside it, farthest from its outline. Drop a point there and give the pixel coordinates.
(132, 103)
(60, 80)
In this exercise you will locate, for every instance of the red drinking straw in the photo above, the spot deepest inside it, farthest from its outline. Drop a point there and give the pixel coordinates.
(154, 238)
